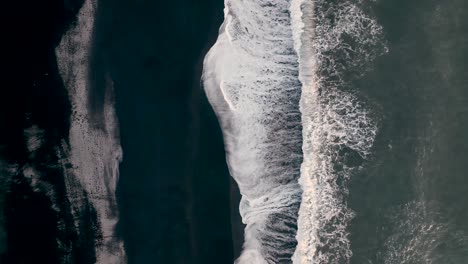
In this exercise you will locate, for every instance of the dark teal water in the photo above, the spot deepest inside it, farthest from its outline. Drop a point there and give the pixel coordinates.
(174, 188)
(411, 198)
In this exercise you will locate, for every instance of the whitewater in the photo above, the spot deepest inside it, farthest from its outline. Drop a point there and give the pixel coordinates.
(94, 149)
(277, 78)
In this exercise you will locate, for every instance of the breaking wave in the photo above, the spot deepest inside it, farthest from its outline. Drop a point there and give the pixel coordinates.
(250, 78)
(332, 39)
(293, 133)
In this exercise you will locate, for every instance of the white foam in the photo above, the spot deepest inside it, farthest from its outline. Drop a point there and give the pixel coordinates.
(34, 138)
(250, 78)
(421, 233)
(94, 153)
(336, 126)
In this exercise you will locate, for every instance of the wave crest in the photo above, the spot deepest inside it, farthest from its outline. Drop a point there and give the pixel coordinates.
(335, 42)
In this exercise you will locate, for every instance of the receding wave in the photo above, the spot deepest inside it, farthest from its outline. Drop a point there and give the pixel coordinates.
(94, 151)
(294, 135)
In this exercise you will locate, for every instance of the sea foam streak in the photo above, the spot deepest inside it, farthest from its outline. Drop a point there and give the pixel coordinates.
(95, 153)
(250, 78)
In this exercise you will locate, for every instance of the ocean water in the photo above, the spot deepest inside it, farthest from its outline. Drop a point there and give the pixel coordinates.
(343, 126)
(410, 198)
(294, 131)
